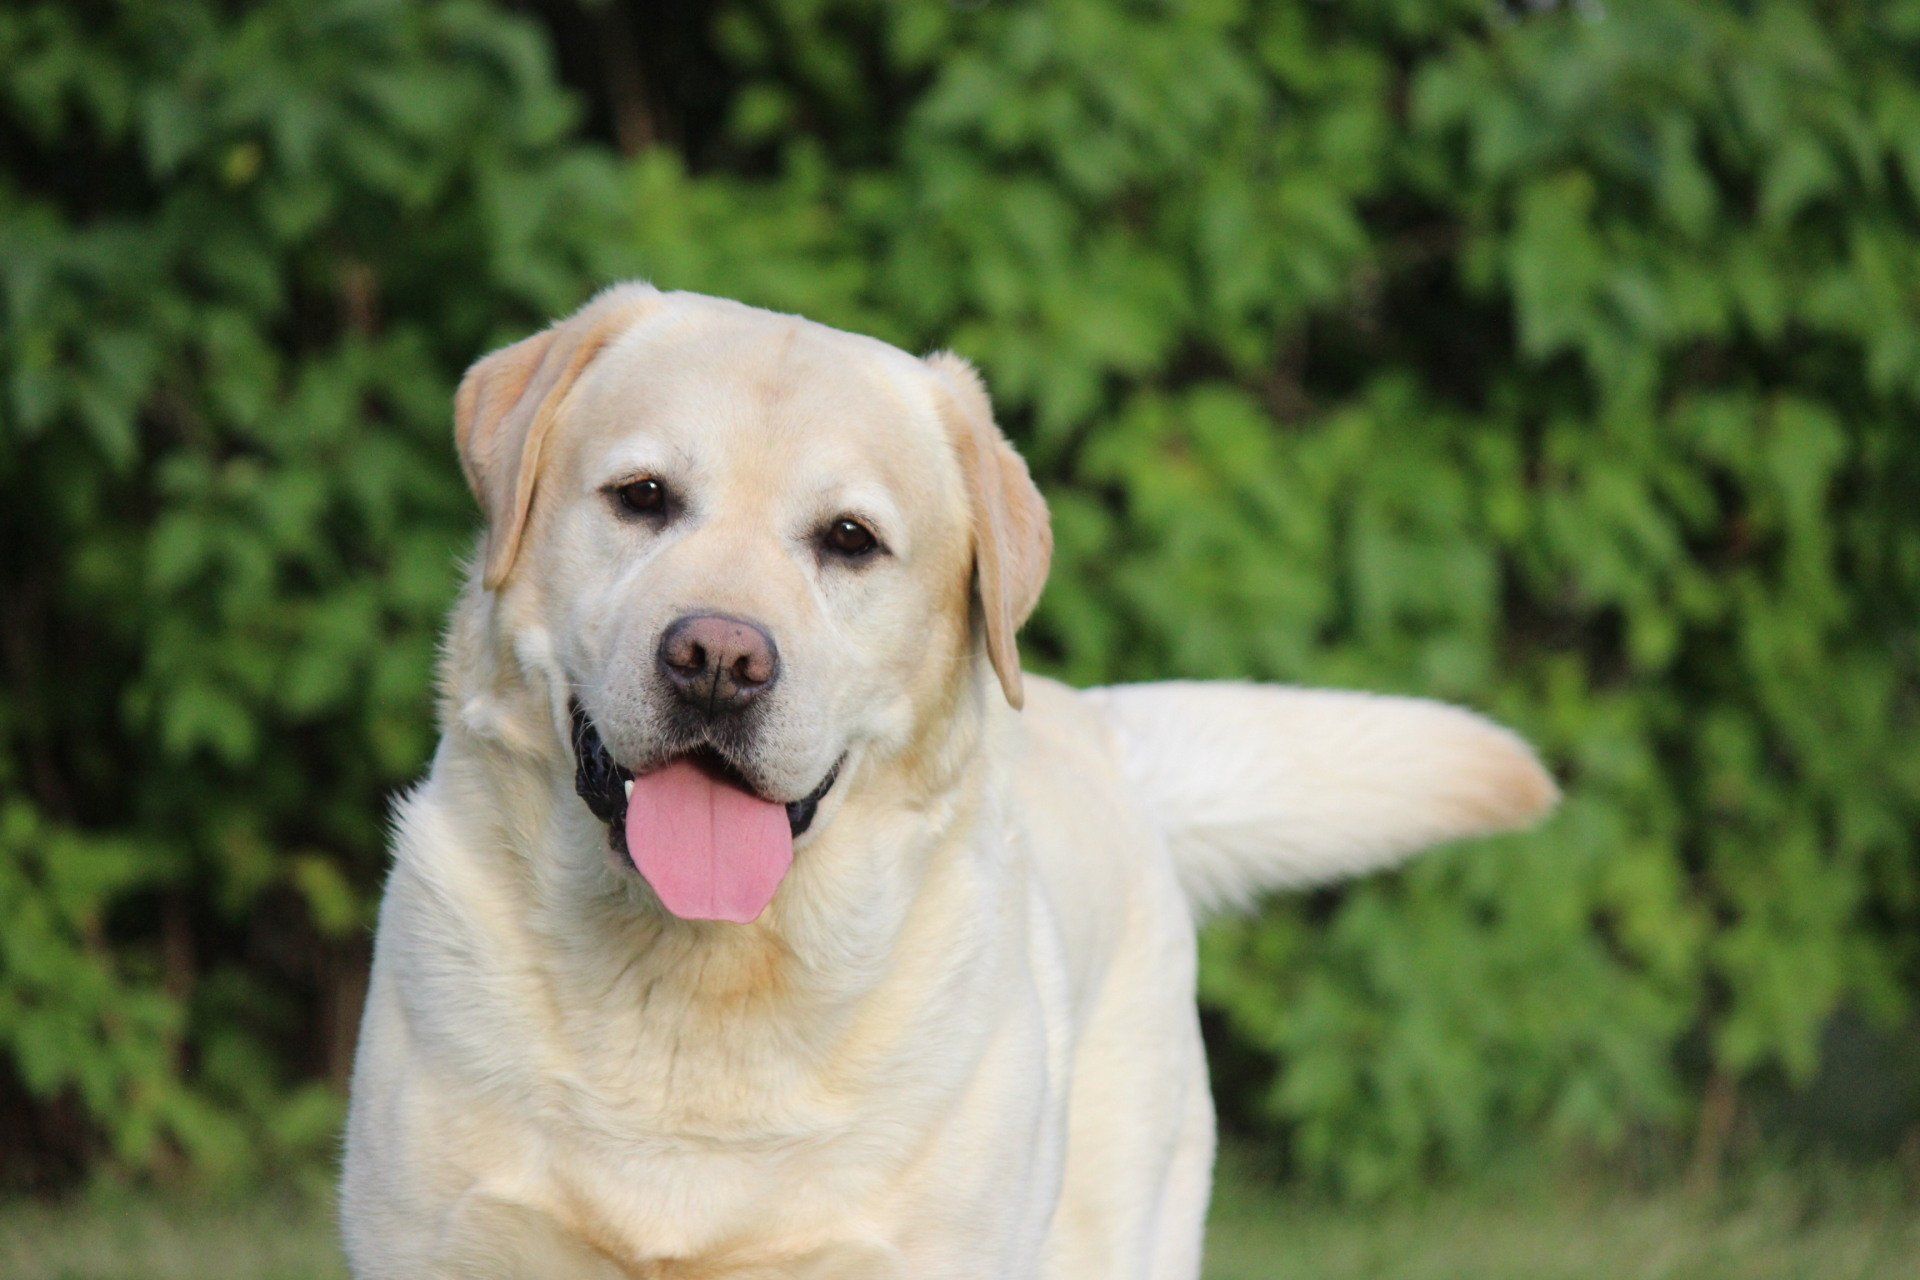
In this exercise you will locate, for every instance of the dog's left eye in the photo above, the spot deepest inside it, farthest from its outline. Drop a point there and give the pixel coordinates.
(848, 537)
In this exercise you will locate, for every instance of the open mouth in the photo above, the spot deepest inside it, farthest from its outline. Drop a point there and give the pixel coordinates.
(710, 845)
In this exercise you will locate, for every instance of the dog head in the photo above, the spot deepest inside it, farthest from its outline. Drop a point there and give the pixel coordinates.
(757, 549)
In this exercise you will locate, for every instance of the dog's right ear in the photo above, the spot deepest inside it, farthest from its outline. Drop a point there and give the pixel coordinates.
(507, 403)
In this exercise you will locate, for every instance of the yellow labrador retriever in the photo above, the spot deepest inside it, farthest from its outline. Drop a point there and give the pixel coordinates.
(758, 917)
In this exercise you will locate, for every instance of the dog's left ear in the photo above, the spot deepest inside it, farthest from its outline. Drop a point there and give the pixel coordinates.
(1012, 536)
(506, 405)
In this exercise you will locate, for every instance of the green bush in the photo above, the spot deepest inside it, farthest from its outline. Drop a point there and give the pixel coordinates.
(242, 261)
(1560, 362)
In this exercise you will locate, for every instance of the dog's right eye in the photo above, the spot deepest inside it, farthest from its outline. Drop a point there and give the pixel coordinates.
(645, 497)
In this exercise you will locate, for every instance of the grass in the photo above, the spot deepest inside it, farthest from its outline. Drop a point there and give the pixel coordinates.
(114, 1235)
(1807, 1225)
(1810, 1225)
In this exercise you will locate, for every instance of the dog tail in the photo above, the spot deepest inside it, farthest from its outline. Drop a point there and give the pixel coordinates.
(1261, 787)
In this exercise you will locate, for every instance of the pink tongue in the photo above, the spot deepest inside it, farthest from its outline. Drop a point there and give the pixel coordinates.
(710, 850)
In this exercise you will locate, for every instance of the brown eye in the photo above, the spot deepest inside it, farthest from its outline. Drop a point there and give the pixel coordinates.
(848, 537)
(642, 497)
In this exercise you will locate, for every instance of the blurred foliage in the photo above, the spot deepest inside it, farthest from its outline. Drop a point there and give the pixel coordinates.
(1560, 360)
(243, 257)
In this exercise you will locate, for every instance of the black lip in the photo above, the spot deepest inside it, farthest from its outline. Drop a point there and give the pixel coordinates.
(800, 812)
(596, 778)
(601, 781)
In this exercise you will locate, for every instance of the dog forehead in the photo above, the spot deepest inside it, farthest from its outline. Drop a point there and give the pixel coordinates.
(709, 367)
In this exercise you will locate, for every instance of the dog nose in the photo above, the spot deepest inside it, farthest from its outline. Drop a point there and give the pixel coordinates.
(718, 663)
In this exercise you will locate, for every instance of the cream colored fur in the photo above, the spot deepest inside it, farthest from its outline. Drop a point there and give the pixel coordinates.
(962, 1041)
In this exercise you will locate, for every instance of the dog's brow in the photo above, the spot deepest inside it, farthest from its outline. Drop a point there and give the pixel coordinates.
(638, 455)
